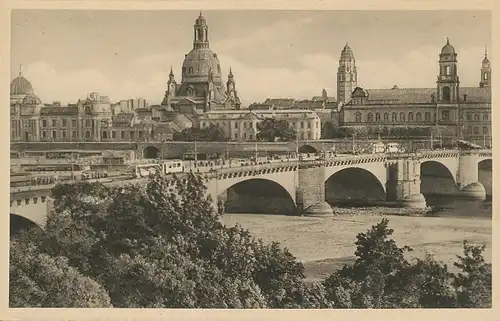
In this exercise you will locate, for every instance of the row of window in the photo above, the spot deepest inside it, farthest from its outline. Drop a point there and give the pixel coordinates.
(370, 117)
(475, 130)
(445, 115)
(88, 134)
(250, 124)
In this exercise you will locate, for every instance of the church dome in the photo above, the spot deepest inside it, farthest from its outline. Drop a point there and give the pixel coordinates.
(346, 53)
(197, 65)
(21, 86)
(448, 49)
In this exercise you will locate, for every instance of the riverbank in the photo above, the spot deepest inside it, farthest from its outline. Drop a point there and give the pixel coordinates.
(325, 244)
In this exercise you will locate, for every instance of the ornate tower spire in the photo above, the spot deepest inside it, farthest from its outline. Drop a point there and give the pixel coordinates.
(200, 33)
(485, 71)
(231, 85)
(448, 81)
(347, 75)
(20, 70)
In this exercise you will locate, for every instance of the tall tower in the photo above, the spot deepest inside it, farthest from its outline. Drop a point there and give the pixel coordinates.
(448, 81)
(231, 86)
(347, 75)
(171, 88)
(485, 71)
(200, 33)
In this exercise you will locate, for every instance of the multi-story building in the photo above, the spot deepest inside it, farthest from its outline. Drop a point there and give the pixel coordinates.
(457, 111)
(241, 125)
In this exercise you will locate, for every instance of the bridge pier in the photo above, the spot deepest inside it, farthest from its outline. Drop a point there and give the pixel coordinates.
(403, 183)
(310, 191)
(468, 178)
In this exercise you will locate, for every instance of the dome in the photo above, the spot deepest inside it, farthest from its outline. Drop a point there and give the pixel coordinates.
(346, 53)
(197, 65)
(448, 49)
(21, 86)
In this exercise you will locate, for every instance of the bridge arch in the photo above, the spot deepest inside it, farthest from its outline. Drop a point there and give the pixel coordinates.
(437, 179)
(307, 149)
(151, 152)
(257, 196)
(354, 185)
(485, 175)
(20, 223)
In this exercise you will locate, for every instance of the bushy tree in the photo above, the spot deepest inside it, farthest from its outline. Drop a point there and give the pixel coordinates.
(162, 245)
(381, 277)
(271, 129)
(211, 133)
(39, 280)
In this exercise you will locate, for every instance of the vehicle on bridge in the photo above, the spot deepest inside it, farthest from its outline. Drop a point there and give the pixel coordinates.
(166, 167)
(377, 148)
(394, 148)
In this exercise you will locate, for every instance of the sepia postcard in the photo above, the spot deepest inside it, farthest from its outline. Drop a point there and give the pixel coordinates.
(223, 160)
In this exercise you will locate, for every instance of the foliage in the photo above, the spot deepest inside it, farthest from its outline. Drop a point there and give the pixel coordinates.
(381, 277)
(271, 129)
(162, 245)
(40, 280)
(158, 246)
(211, 133)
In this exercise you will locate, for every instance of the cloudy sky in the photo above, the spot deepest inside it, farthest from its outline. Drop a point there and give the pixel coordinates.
(125, 54)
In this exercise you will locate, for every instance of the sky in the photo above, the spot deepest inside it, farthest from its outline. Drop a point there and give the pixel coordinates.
(66, 54)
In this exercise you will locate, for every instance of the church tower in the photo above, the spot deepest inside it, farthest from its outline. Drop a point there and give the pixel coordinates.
(230, 85)
(485, 71)
(448, 81)
(171, 88)
(346, 75)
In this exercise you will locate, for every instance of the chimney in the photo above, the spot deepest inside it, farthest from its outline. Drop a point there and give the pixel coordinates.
(433, 98)
(465, 97)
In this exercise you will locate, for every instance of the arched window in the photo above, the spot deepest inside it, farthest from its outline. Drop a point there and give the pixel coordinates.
(394, 117)
(469, 116)
(369, 117)
(445, 115)
(476, 117)
(104, 135)
(446, 93)
(485, 76)
(401, 117)
(377, 116)
(87, 134)
(386, 117)
(427, 116)
(190, 70)
(410, 116)
(418, 117)
(358, 117)
(485, 116)
(447, 70)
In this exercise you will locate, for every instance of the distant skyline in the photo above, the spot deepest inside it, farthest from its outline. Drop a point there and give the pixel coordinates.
(67, 54)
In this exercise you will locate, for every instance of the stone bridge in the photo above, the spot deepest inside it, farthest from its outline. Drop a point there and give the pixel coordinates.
(308, 186)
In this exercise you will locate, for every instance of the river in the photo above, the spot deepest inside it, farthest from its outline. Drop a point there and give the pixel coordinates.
(325, 244)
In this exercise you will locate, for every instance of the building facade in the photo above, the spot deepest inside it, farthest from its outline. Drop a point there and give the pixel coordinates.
(456, 111)
(241, 125)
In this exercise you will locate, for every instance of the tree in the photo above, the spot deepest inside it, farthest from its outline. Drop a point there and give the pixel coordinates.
(162, 245)
(40, 280)
(271, 129)
(473, 284)
(211, 133)
(381, 277)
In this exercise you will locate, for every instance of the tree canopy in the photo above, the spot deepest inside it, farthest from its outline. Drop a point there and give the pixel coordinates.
(164, 246)
(271, 129)
(211, 133)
